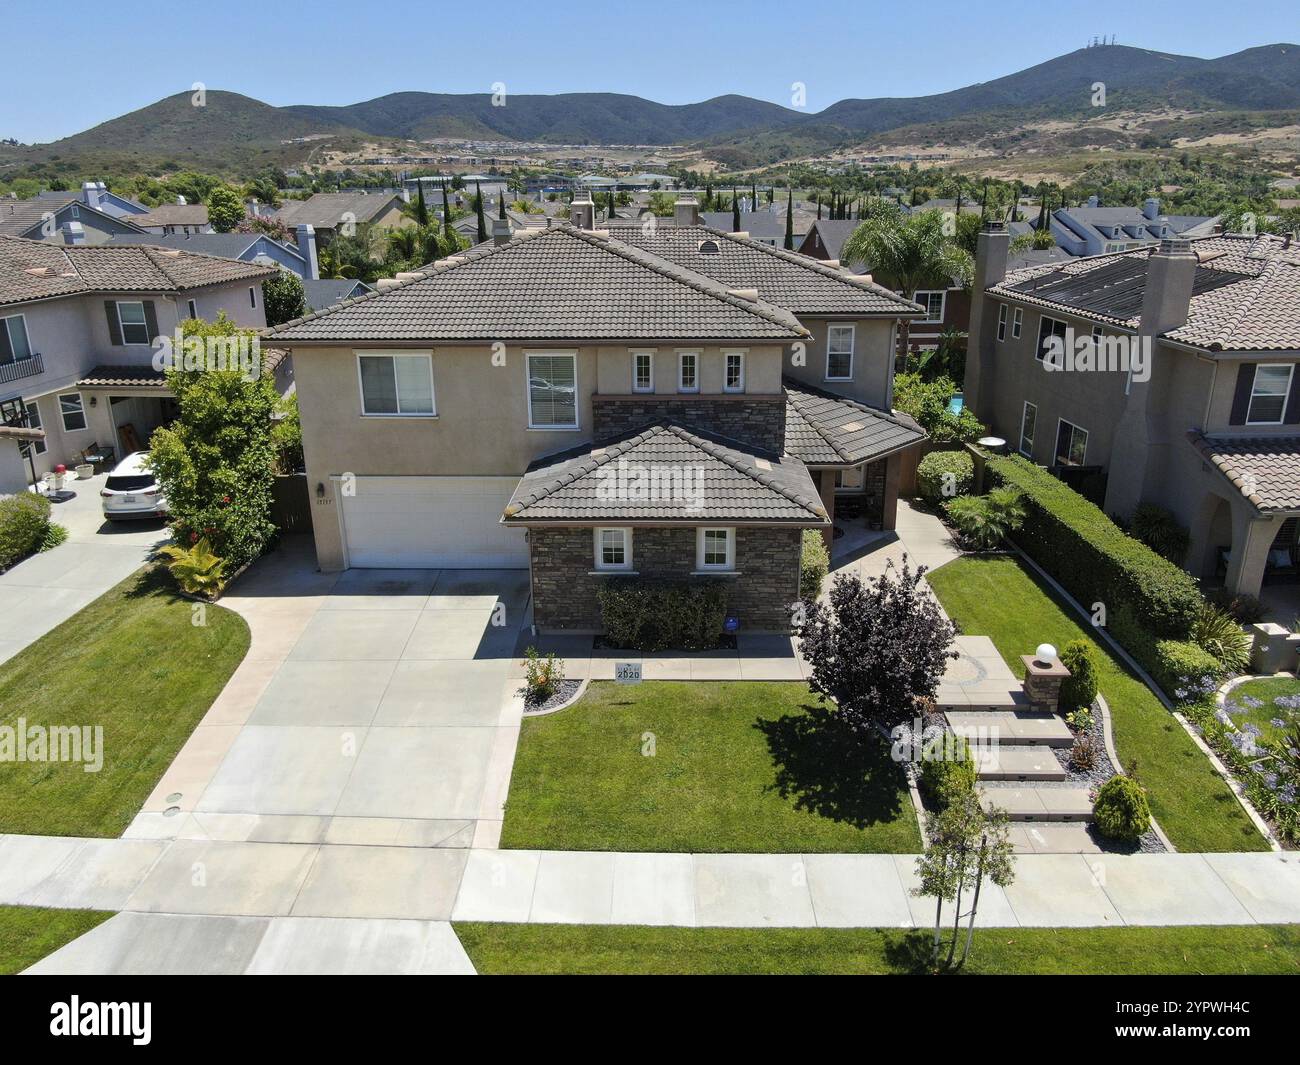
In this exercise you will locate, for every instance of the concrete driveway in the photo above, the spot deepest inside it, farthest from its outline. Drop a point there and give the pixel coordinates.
(46, 589)
(375, 708)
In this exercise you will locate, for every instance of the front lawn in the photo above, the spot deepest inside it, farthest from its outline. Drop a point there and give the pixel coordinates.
(703, 767)
(620, 949)
(29, 933)
(1000, 598)
(132, 662)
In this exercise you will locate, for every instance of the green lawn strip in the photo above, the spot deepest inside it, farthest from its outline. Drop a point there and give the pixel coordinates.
(498, 949)
(1265, 690)
(736, 767)
(132, 662)
(29, 933)
(1000, 598)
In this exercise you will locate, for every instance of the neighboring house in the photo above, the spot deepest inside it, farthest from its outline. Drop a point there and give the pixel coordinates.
(1094, 230)
(61, 218)
(826, 237)
(1213, 436)
(765, 226)
(246, 247)
(325, 292)
(77, 326)
(590, 404)
(175, 219)
(329, 213)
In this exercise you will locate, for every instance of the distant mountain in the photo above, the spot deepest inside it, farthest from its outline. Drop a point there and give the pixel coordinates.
(233, 131)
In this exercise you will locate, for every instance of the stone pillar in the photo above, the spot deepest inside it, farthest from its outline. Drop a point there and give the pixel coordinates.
(826, 487)
(1273, 648)
(1043, 682)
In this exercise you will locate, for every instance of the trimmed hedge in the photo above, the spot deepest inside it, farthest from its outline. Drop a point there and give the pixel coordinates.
(814, 564)
(931, 470)
(646, 615)
(1147, 598)
(24, 527)
(1181, 664)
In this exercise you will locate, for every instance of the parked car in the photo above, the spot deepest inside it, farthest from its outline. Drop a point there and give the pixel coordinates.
(132, 491)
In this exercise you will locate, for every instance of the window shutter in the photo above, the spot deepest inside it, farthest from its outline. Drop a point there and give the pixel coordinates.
(1241, 398)
(1292, 415)
(114, 327)
(150, 319)
(6, 349)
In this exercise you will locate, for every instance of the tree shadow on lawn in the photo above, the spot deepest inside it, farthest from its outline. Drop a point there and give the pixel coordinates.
(825, 768)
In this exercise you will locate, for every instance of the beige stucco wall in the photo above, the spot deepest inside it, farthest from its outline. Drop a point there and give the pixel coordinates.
(762, 368)
(873, 360)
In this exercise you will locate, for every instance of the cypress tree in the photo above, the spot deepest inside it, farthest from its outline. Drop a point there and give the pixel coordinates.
(478, 210)
(501, 206)
(448, 232)
(735, 211)
(789, 219)
(421, 209)
(819, 206)
(753, 191)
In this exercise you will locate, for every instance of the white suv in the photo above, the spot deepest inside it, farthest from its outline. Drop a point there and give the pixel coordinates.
(132, 491)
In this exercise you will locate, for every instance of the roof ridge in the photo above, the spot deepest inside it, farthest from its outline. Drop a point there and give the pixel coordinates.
(600, 455)
(875, 412)
(718, 452)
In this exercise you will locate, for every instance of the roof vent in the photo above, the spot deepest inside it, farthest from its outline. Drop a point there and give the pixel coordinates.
(708, 247)
(852, 427)
(834, 264)
(762, 464)
(743, 234)
(749, 295)
(40, 271)
(171, 253)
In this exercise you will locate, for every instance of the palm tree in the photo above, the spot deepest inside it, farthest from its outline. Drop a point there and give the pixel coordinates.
(908, 253)
(405, 243)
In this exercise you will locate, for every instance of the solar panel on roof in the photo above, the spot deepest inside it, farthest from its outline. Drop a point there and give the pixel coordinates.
(1116, 289)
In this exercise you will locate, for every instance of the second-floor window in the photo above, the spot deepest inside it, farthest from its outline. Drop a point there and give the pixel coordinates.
(14, 345)
(1268, 394)
(1028, 419)
(839, 353)
(552, 391)
(193, 308)
(643, 371)
(396, 385)
(1049, 328)
(932, 301)
(1002, 322)
(733, 379)
(1017, 320)
(688, 371)
(133, 323)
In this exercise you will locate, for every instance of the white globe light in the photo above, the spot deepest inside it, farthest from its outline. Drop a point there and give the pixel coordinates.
(1045, 652)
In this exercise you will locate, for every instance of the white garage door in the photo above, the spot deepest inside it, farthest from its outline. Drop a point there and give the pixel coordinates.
(431, 523)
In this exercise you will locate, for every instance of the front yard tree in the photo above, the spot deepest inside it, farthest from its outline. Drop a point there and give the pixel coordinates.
(283, 297)
(216, 462)
(877, 647)
(225, 208)
(967, 844)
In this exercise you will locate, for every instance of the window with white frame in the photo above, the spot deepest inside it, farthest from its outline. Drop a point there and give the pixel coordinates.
(1268, 394)
(733, 377)
(74, 413)
(1002, 322)
(1017, 320)
(643, 371)
(849, 480)
(614, 549)
(553, 391)
(716, 549)
(14, 345)
(932, 301)
(33, 422)
(839, 353)
(396, 386)
(1071, 444)
(688, 371)
(1028, 419)
(133, 323)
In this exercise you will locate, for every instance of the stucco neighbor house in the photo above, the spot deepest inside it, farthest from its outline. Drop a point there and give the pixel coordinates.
(1212, 434)
(593, 403)
(77, 326)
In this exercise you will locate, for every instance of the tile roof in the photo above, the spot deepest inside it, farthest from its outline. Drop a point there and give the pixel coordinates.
(173, 214)
(1244, 298)
(834, 232)
(325, 292)
(19, 217)
(715, 481)
(33, 270)
(561, 283)
(1265, 469)
(110, 376)
(798, 282)
(224, 245)
(822, 429)
(325, 210)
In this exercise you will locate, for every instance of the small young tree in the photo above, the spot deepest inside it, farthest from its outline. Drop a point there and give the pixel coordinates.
(877, 647)
(225, 208)
(283, 297)
(967, 844)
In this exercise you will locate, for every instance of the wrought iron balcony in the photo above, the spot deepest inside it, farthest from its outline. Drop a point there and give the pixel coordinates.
(20, 368)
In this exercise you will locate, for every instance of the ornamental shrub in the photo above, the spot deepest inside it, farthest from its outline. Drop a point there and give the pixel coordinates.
(24, 526)
(647, 615)
(1220, 635)
(1160, 531)
(1180, 663)
(941, 475)
(814, 564)
(1121, 811)
(1079, 689)
(945, 779)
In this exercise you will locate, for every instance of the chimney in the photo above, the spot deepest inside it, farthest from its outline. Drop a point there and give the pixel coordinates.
(1171, 270)
(1151, 208)
(582, 212)
(307, 249)
(90, 194)
(73, 233)
(1094, 201)
(686, 212)
(500, 231)
(991, 247)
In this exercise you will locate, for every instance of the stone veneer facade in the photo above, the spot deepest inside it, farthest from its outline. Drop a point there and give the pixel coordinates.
(756, 420)
(760, 592)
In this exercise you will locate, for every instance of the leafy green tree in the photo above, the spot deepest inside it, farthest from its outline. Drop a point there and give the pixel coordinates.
(216, 462)
(225, 208)
(283, 297)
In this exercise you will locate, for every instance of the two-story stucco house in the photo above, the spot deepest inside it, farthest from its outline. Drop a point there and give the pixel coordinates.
(1210, 430)
(662, 402)
(77, 329)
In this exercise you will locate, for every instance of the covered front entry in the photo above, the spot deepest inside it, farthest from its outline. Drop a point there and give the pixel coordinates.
(864, 496)
(428, 523)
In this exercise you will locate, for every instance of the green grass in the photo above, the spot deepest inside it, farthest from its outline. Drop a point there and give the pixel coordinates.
(29, 933)
(133, 663)
(1265, 690)
(497, 949)
(740, 766)
(1001, 599)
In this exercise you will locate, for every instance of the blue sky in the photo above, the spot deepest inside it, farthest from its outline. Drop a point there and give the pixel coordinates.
(92, 68)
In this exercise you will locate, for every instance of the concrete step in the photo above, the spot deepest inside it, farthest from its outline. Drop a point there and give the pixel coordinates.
(1017, 763)
(1022, 728)
(1039, 804)
(982, 698)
